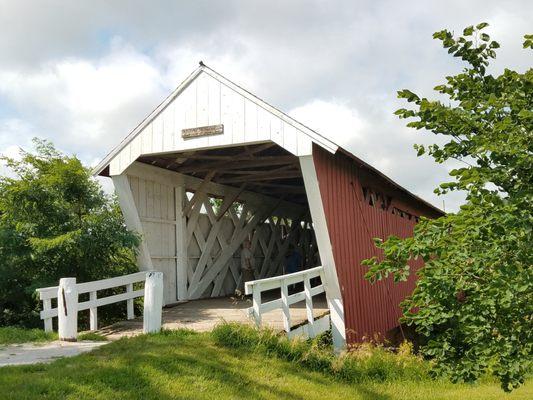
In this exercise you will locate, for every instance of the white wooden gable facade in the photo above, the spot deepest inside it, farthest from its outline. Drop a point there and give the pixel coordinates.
(206, 98)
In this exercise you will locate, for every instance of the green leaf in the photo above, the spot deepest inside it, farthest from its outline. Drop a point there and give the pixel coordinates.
(472, 302)
(468, 31)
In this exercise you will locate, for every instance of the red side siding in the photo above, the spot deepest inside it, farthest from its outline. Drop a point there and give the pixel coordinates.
(370, 310)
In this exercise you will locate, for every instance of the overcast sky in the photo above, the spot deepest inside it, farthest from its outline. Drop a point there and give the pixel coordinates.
(84, 73)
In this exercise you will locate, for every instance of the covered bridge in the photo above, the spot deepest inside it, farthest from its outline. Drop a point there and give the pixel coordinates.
(213, 166)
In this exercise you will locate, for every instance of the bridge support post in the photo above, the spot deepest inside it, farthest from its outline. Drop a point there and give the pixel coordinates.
(67, 309)
(153, 302)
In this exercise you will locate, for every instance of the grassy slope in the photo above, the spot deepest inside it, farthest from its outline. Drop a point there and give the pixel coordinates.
(191, 366)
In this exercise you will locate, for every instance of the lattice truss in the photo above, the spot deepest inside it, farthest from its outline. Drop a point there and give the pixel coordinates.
(215, 231)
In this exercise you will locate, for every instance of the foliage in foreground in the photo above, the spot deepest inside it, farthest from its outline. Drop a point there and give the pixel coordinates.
(188, 365)
(55, 222)
(365, 363)
(12, 335)
(474, 297)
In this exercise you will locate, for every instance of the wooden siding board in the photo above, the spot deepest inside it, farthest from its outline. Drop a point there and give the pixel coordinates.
(352, 223)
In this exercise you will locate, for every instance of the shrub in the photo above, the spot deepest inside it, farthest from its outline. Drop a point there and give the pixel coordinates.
(55, 222)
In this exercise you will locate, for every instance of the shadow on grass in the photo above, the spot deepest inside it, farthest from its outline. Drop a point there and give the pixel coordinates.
(184, 365)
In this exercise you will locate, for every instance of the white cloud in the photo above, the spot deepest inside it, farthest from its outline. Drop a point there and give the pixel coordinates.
(83, 74)
(86, 105)
(333, 119)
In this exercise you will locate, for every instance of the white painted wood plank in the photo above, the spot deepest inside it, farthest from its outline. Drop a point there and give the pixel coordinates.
(130, 313)
(109, 283)
(181, 244)
(136, 148)
(226, 112)
(93, 313)
(147, 140)
(263, 124)
(256, 305)
(202, 100)
(157, 135)
(168, 127)
(214, 102)
(290, 139)
(189, 97)
(131, 217)
(250, 122)
(304, 144)
(238, 118)
(179, 120)
(286, 312)
(47, 306)
(309, 305)
(276, 130)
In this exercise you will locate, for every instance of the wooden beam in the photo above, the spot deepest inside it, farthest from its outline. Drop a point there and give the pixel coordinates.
(197, 290)
(233, 164)
(245, 171)
(208, 157)
(191, 184)
(258, 149)
(229, 200)
(280, 187)
(181, 244)
(264, 177)
(198, 193)
(132, 219)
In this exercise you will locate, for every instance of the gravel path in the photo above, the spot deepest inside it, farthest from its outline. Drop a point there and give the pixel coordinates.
(28, 353)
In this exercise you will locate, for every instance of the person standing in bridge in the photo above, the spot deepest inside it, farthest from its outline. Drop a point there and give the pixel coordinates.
(247, 264)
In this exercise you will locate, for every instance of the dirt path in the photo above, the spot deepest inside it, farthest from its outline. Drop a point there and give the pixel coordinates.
(29, 353)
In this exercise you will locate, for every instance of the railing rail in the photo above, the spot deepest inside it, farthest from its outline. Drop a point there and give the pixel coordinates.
(282, 282)
(46, 295)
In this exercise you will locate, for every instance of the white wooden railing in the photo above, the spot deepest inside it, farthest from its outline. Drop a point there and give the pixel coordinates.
(68, 303)
(313, 326)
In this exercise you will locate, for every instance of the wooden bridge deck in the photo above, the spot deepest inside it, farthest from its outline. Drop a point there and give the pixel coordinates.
(203, 315)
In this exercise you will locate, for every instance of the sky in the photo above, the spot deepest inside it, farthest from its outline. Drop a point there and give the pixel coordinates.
(83, 74)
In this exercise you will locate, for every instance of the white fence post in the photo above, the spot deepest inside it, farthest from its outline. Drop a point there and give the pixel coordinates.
(309, 306)
(257, 304)
(153, 302)
(93, 312)
(129, 303)
(285, 306)
(312, 327)
(47, 305)
(67, 305)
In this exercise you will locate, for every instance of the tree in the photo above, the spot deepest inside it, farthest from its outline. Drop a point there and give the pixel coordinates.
(473, 299)
(55, 221)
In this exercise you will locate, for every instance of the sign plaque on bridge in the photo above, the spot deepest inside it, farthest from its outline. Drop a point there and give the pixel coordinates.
(202, 131)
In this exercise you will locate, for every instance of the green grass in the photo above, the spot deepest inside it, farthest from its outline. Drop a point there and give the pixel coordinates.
(92, 336)
(186, 365)
(12, 335)
(366, 363)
